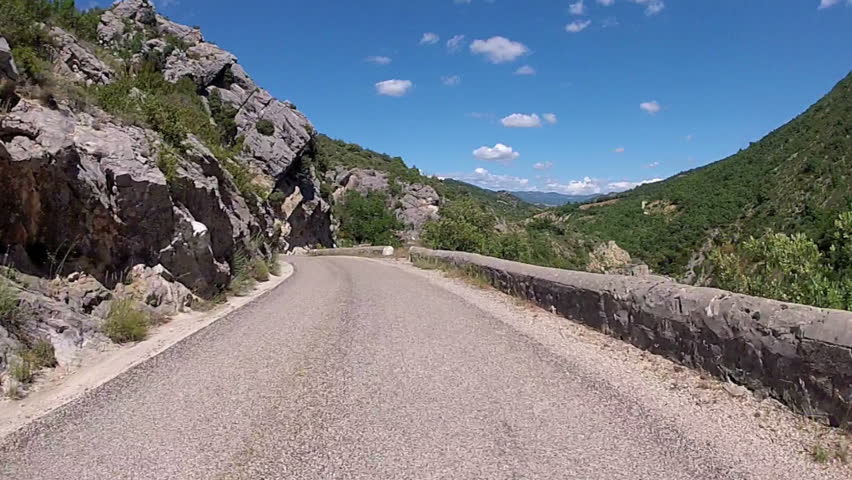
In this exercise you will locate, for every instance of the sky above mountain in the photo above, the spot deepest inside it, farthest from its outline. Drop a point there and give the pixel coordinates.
(577, 96)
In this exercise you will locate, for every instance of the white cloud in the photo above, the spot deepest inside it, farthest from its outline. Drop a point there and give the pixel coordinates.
(499, 49)
(429, 38)
(577, 8)
(652, 7)
(550, 118)
(589, 185)
(379, 60)
(619, 150)
(485, 179)
(525, 70)
(543, 165)
(689, 137)
(462, 2)
(451, 81)
(394, 88)
(622, 186)
(606, 3)
(610, 22)
(651, 107)
(455, 43)
(653, 165)
(498, 153)
(521, 120)
(827, 4)
(577, 26)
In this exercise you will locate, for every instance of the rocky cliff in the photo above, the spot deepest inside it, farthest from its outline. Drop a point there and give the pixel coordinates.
(149, 154)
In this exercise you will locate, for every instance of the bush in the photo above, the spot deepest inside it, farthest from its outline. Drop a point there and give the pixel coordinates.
(31, 64)
(40, 355)
(125, 322)
(790, 268)
(464, 226)
(21, 370)
(274, 264)
(265, 127)
(242, 280)
(367, 219)
(259, 270)
(8, 301)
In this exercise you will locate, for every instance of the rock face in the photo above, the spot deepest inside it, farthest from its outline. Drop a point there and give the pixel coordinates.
(82, 191)
(612, 259)
(7, 63)
(413, 204)
(76, 63)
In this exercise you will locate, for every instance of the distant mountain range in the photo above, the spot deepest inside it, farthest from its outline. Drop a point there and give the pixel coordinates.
(553, 199)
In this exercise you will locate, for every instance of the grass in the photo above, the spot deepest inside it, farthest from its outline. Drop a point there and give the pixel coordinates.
(13, 390)
(241, 274)
(21, 370)
(259, 270)
(40, 355)
(273, 263)
(469, 274)
(126, 322)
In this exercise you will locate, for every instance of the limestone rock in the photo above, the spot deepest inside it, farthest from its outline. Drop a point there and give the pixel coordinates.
(612, 259)
(203, 63)
(156, 288)
(77, 63)
(188, 35)
(7, 63)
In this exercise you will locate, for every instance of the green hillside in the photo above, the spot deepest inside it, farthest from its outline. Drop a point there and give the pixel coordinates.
(331, 153)
(796, 179)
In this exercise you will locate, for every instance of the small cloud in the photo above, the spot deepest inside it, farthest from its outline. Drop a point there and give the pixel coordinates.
(521, 120)
(689, 137)
(653, 165)
(394, 88)
(454, 44)
(485, 179)
(550, 118)
(498, 153)
(610, 22)
(619, 150)
(499, 49)
(543, 165)
(451, 81)
(429, 38)
(651, 107)
(577, 26)
(378, 60)
(652, 7)
(827, 4)
(577, 8)
(462, 2)
(606, 3)
(622, 186)
(525, 70)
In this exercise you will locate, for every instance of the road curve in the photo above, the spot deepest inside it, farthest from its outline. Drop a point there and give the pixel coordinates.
(355, 369)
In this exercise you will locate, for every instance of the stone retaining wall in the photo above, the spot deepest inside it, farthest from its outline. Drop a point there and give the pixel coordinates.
(353, 252)
(800, 355)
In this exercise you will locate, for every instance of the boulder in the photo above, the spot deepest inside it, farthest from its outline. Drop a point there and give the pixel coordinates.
(156, 288)
(419, 204)
(7, 63)
(612, 259)
(136, 14)
(188, 35)
(75, 62)
(191, 254)
(203, 63)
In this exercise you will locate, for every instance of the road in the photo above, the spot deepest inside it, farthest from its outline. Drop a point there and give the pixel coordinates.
(355, 369)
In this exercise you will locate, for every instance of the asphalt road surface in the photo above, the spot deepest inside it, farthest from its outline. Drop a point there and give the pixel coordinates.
(354, 369)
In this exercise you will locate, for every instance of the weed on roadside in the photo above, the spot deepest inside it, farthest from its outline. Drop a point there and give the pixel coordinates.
(259, 270)
(126, 322)
(820, 454)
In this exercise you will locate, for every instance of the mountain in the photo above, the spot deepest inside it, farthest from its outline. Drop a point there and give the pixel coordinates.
(797, 179)
(553, 199)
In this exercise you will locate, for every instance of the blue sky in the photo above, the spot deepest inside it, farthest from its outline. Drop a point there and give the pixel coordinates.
(637, 89)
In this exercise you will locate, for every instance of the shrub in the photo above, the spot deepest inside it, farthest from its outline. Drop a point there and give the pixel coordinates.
(125, 322)
(464, 226)
(265, 127)
(241, 273)
(224, 115)
(31, 64)
(367, 219)
(259, 270)
(168, 162)
(8, 300)
(274, 264)
(21, 370)
(40, 355)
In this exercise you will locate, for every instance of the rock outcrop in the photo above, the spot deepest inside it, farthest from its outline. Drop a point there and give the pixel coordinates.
(611, 259)
(112, 205)
(8, 69)
(413, 204)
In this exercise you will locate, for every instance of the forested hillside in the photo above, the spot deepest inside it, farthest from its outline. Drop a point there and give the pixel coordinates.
(795, 180)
